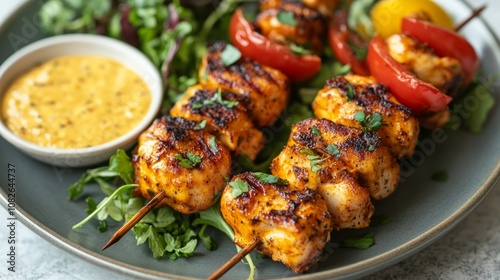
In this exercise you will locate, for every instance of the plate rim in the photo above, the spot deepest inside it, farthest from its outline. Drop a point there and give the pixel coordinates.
(355, 270)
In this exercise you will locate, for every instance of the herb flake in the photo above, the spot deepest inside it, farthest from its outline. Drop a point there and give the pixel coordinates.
(201, 125)
(230, 55)
(269, 179)
(190, 161)
(372, 122)
(315, 131)
(238, 187)
(287, 17)
(314, 159)
(213, 144)
(333, 150)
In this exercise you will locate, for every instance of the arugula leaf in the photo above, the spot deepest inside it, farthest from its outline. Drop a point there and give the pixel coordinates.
(230, 55)
(287, 17)
(190, 161)
(206, 239)
(238, 187)
(359, 242)
(104, 202)
(119, 165)
(479, 93)
(91, 205)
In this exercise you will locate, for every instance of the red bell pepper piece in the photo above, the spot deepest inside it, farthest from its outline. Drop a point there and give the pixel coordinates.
(419, 96)
(257, 47)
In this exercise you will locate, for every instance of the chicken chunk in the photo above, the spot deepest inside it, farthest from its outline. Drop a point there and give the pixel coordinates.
(190, 165)
(305, 30)
(361, 150)
(325, 7)
(267, 88)
(343, 97)
(349, 204)
(445, 73)
(225, 115)
(292, 226)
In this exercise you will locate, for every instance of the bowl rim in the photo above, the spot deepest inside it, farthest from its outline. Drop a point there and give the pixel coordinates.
(153, 81)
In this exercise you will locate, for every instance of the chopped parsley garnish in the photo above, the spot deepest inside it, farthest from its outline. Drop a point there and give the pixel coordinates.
(238, 187)
(217, 98)
(201, 125)
(230, 55)
(287, 17)
(360, 242)
(213, 144)
(314, 159)
(371, 148)
(350, 92)
(333, 150)
(269, 179)
(441, 176)
(190, 161)
(315, 131)
(369, 123)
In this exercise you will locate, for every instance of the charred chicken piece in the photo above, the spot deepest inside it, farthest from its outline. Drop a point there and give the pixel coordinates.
(303, 28)
(267, 88)
(348, 203)
(325, 7)
(361, 150)
(292, 226)
(225, 115)
(190, 165)
(343, 97)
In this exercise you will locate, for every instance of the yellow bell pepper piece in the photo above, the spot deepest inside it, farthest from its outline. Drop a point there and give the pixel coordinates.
(387, 14)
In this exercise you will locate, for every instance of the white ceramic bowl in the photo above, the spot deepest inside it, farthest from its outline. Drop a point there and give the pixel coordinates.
(80, 44)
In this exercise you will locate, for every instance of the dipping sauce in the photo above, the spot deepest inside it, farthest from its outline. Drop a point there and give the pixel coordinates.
(75, 102)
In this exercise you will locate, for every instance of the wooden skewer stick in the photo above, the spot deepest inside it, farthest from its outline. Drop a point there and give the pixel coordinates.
(135, 219)
(234, 260)
(476, 12)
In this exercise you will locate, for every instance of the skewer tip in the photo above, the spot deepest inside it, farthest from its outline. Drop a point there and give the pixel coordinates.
(135, 219)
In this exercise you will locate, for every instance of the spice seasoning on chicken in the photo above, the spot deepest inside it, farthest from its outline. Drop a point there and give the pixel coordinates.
(75, 102)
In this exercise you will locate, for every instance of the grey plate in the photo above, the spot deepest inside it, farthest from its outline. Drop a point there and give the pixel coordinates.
(421, 210)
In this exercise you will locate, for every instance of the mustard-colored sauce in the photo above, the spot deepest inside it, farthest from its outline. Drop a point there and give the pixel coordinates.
(75, 102)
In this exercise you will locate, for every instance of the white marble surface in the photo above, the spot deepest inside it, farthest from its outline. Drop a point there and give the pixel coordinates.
(470, 251)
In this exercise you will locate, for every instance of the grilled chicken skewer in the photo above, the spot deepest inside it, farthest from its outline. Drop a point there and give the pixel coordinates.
(188, 155)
